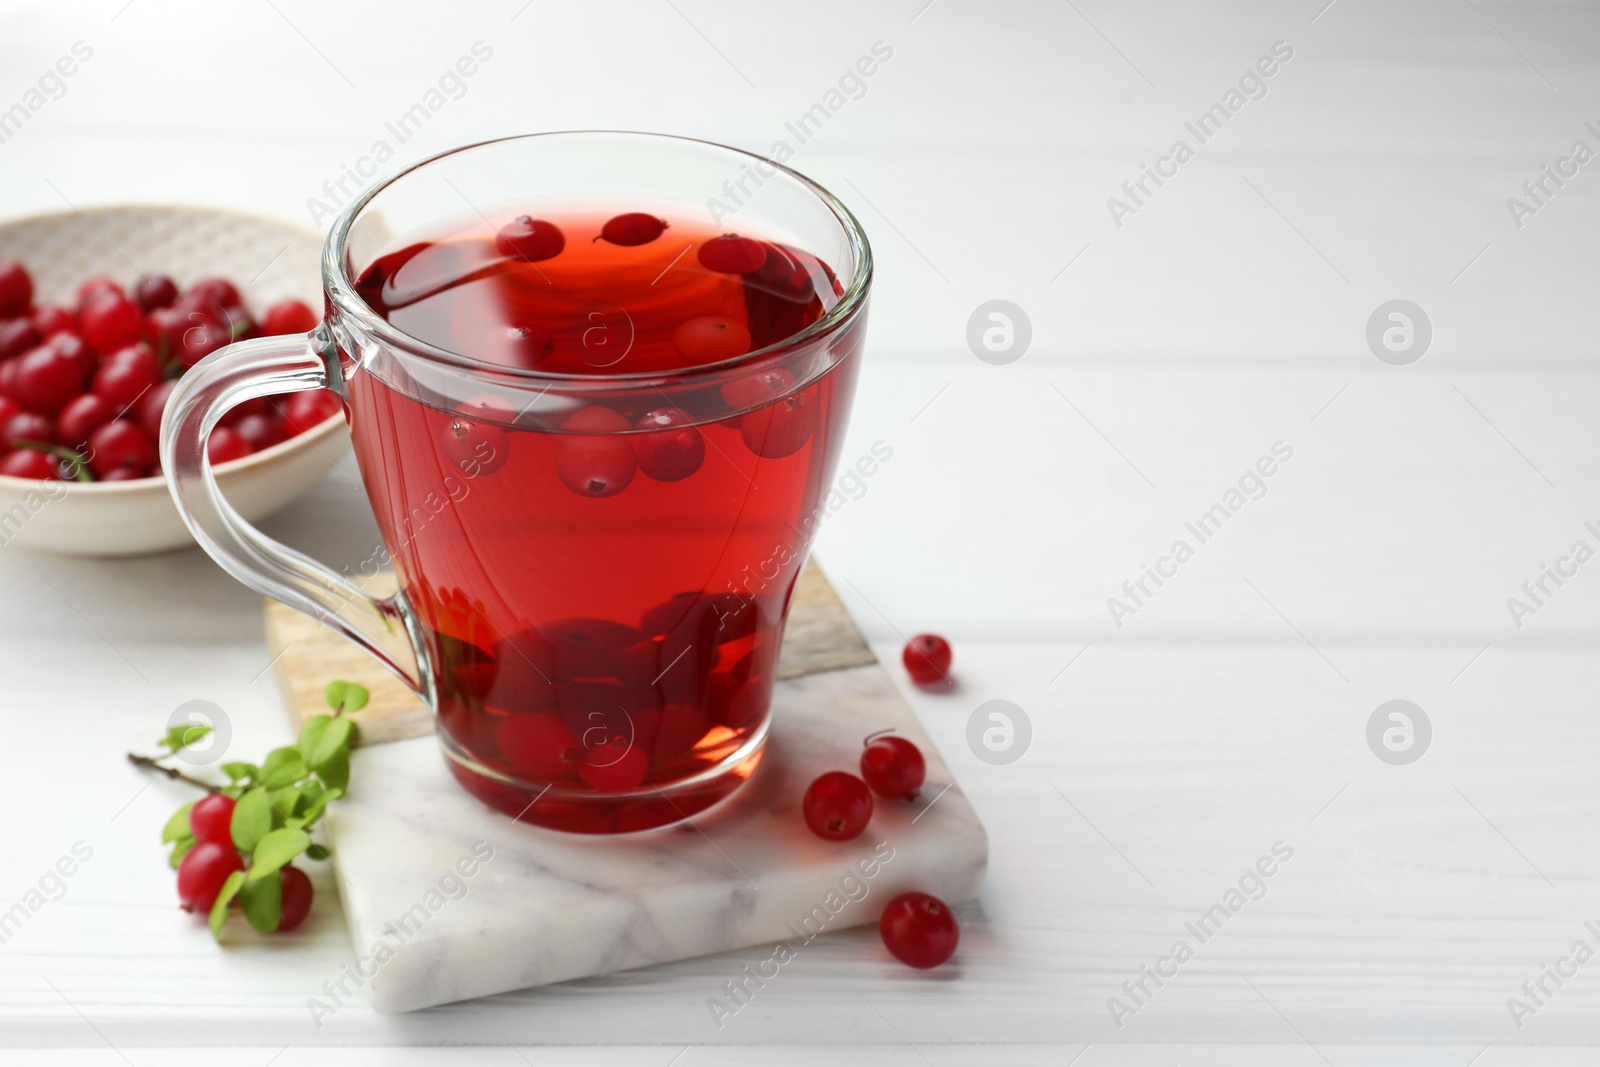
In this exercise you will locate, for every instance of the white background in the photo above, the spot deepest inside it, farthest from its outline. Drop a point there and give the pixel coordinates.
(1169, 353)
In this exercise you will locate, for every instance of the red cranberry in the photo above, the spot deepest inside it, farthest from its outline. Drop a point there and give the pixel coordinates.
(154, 291)
(472, 441)
(126, 474)
(50, 320)
(225, 445)
(613, 766)
(528, 346)
(261, 431)
(17, 336)
(8, 377)
(163, 331)
(46, 379)
(82, 416)
(31, 463)
(919, 930)
(781, 428)
(124, 376)
(198, 309)
(540, 746)
(72, 345)
(674, 449)
(742, 394)
(711, 339)
(110, 321)
(211, 819)
(120, 445)
(256, 405)
(837, 806)
(198, 342)
(927, 659)
(152, 406)
(26, 427)
(633, 228)
(219, 291)
(893, 767)
(529, 239)
(732, 254)
(8, 408)
(594, 459)
(94, 287)
(295, 900)
(16, 289)
(203, 871)
(310, 409)
(289, 316)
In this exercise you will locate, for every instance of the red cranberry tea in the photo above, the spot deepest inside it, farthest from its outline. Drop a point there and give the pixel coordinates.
(602, 583)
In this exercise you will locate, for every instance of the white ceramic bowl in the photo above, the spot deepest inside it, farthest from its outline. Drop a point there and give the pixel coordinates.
(268, 259)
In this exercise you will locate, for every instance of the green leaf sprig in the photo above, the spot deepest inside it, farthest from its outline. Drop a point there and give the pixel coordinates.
(277, 803)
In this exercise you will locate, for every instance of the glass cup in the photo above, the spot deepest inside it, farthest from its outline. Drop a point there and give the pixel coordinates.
(599, 649)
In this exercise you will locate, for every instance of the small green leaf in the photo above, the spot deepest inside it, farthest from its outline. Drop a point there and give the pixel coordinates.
(219, 910)
(276, 849)
(311, 792)
(238, 772)
(180, 850)
(317, 852)
(252, 820)
(234, 791)
(262, 901)
(180, 736)
(323, 738)
(284, 802)
(346, 696)
(314, 812)
(335, 774)
(283, 767)
(178, 826)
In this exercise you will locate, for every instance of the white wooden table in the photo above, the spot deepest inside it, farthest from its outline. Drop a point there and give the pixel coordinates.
(1227, 713)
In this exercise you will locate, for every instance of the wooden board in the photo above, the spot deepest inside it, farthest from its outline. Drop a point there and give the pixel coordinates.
(306, 655)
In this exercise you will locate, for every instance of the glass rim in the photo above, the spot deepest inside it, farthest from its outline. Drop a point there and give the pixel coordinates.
(342, 291)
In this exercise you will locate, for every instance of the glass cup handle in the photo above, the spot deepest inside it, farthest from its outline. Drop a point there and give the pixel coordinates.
(242, 371)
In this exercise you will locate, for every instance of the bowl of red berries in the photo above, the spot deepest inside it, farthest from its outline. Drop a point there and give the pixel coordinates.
(101, 311)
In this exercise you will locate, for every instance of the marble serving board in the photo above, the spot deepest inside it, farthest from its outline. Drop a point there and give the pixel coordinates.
(448, 899)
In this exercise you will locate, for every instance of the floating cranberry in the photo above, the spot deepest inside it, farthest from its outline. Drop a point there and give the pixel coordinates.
(97, 286)
(152, 406)
(711, 339)
(82, 416)
(539, 746)
(673, 449)
(219, 291)
(258, 431)
(31, 463)
(927, 659)
(17, 336)
(781, 428)
(27, 427)
(46, 379)
(471, 439)
(225, 445)
(528, 346)
(530, 240)
(633, 228)
(764, 387)
(288, 317)
(613, 766)
(50, 320)
(919, 930)
(732, 254)
(110, 321)
(837, 806)
(593, 458)
(16, 289)
(124, 375)
(893, 767)
(211, 819)
(204, 869)
(154, 291)
(120, 445)
(294, 902)
(310, 409)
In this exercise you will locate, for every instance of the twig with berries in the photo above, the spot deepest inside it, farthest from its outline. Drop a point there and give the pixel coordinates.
(235, 844)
